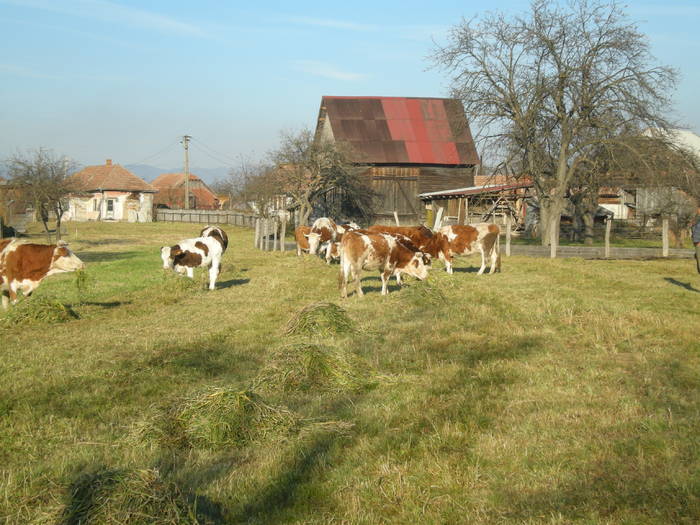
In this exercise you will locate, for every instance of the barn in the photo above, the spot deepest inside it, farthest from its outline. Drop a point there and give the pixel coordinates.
(402, 146)
(171, 192)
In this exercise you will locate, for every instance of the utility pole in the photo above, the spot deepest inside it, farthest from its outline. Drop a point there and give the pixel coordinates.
(186, 144)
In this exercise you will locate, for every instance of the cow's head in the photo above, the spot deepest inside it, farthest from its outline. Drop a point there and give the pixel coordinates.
(64, 260)
(314, 241)
(418, 266)
(168, 254)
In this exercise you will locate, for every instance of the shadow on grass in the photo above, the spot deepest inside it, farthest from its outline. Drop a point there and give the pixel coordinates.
(231, 282)
(92, 257)
(687, 286)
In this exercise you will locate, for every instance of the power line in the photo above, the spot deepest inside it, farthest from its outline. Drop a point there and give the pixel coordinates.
(176, 141)
(216, 152)
(226, 162)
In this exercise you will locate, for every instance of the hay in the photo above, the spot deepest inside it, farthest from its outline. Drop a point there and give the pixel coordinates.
(126, 496)
(215, 418)
(320, 318)
(309, 366)
(425, 293)
(37, 309)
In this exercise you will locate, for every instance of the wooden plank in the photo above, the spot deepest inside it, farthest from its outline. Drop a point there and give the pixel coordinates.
(283, 234)
(608, 228)
(508, 228)
(664, 237)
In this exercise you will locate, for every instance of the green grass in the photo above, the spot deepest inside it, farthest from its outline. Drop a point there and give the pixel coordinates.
(558, 391)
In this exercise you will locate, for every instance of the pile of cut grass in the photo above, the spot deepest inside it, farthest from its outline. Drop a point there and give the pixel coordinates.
(37, 309)
(305, 366)
(319, 318)
(114, 496)
(424, 293)
(217, 417)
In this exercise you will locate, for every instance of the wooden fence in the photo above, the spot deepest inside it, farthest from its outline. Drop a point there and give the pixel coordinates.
(207, 217)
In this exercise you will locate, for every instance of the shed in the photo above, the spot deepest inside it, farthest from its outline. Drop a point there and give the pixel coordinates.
(403, 146)
(171, 192)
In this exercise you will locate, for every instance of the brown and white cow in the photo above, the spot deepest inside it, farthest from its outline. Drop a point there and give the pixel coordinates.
(200, 252)
(218, 234)
(331, 251)
(322, 230)
(24, 265)
(480, 238)
(427, 241)
(378, 251)
(300, 236)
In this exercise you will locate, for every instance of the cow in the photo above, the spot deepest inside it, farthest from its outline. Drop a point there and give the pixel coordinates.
(322, 230)
(378, 251)
(331, 251)
(24, 265)
(200, 252)
(481, 237)
(427, 241)
(300, 236)
(218, 234)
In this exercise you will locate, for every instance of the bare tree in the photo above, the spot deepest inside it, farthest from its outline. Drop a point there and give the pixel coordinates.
(556, 82)
(42, 177)
(308, 170)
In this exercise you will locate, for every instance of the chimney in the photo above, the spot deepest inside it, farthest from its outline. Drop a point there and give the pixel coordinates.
(109, 162)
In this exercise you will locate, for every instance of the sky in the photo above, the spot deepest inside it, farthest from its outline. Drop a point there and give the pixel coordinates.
(122, 79)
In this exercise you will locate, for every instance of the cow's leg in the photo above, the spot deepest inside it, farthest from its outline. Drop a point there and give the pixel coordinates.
(213, 274)
(190, 272)
(398, 279)
(5, 299)
(13, 293)
(386, 275)
(483, 261)
(359, 282)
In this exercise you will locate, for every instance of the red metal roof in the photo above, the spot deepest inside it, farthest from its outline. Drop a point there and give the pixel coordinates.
(401, 130)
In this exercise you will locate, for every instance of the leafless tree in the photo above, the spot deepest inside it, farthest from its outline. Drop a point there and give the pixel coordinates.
(556, 82)
(42, 177)
(308, 169)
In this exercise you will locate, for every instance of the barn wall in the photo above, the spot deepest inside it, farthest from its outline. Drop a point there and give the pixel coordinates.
(398, 188)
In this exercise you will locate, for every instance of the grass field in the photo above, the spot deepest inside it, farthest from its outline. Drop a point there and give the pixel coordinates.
(558, 391)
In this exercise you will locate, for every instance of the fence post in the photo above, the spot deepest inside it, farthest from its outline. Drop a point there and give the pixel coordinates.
(257, 232)
(266, 235)
(608, 228)
(283, 233)
(274, 235)
(664, 236)
(508, 220)
(396, 218)
(438, 218)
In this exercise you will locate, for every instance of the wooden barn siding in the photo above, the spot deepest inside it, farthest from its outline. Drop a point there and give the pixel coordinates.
(389, 181)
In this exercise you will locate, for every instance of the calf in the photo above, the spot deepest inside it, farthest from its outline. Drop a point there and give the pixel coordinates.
(378, 251)
(433, 243)
(24, 265)
(301, 237)
(218, 234)
(322, 230)
(200, 252)
(482, 237)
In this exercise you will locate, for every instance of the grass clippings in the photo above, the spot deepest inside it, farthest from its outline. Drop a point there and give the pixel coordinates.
(37, 309)
(319, 319)
(218, 417)
(309, 366)
(110, 496)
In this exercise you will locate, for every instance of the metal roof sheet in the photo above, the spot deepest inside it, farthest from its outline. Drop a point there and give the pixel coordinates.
(474, 190)
(392, 130)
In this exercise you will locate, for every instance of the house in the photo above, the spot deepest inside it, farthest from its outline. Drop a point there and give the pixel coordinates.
(109, 192)
(171, 192)
(402, 146)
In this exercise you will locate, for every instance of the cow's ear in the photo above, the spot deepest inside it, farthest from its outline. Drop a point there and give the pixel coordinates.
(61, 244)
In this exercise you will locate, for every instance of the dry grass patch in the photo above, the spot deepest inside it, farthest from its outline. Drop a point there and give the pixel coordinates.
(322, 318)
(305, 366)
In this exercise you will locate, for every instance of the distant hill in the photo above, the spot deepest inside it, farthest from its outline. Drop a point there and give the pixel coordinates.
(148, 173)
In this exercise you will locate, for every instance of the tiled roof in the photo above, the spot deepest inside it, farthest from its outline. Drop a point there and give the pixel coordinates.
(171, 180)
(400, 130)
(108, 176)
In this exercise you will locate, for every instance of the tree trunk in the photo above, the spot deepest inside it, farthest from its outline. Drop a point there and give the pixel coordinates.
(588, 222)
(550, 216)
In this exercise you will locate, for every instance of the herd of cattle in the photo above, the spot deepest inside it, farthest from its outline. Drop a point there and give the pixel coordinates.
(393, 250)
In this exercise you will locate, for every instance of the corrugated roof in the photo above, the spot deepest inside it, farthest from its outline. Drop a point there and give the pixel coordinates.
(473, 190)
(108, 176)
(401, 130)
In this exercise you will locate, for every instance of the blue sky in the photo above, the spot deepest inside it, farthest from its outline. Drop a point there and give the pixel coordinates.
(96, 79)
